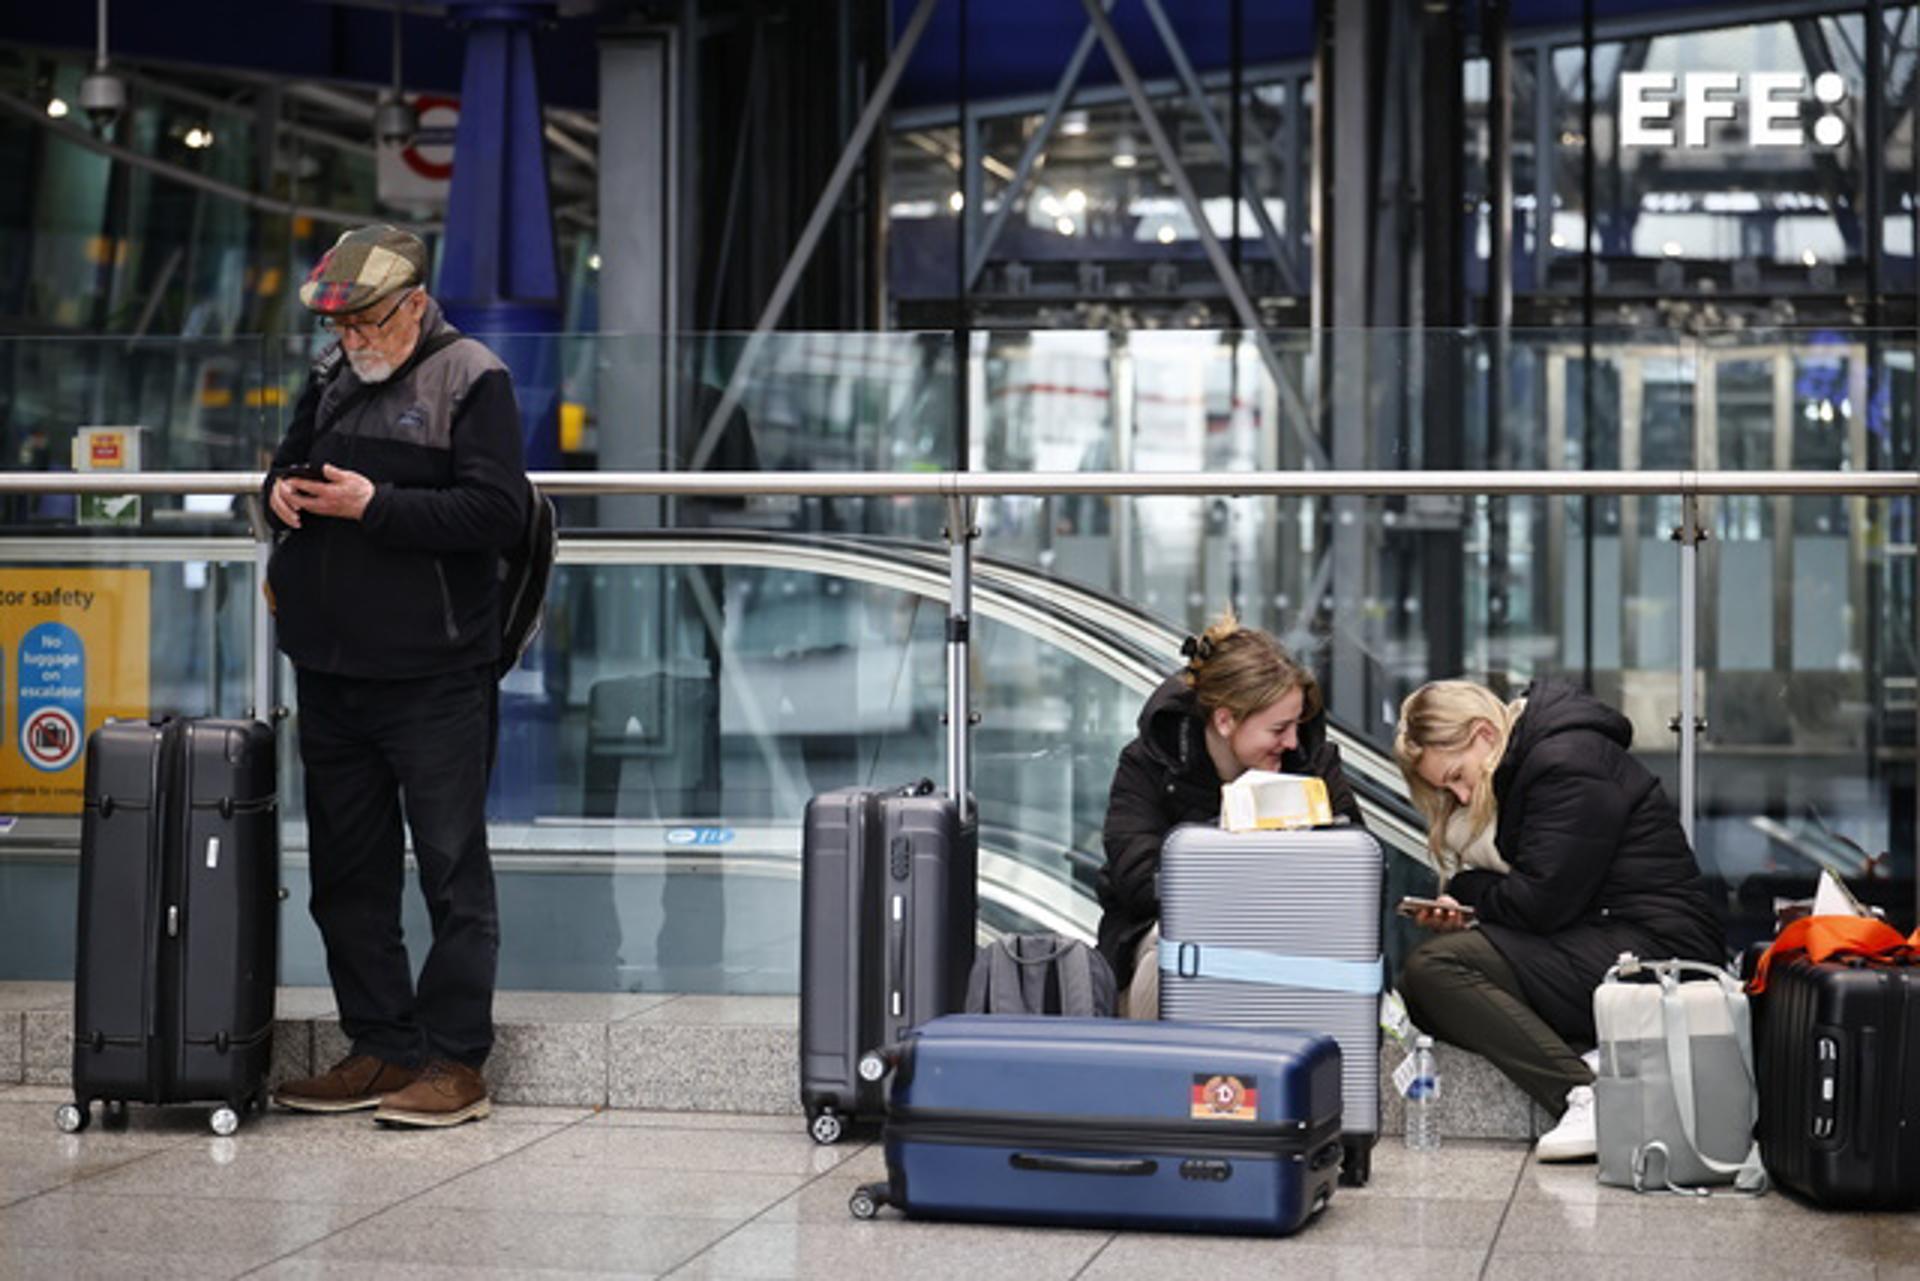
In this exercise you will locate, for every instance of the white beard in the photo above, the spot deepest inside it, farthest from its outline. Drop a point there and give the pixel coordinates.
(369, 368)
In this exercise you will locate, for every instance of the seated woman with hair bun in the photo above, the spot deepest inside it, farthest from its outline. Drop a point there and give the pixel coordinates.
(1240, 703)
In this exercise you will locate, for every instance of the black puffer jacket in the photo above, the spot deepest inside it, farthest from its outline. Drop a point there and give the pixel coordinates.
(1166, 778)
(1600, 863)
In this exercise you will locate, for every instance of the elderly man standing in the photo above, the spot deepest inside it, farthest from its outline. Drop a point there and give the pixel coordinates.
(400, 480)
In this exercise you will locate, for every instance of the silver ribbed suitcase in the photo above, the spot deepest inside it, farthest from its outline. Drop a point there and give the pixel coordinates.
(1281, 929)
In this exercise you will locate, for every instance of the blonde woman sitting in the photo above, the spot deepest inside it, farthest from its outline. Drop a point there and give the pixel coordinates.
(1596, 865)
(1240, 703)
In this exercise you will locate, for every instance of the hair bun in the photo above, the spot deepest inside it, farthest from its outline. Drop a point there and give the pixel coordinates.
(1197, 648)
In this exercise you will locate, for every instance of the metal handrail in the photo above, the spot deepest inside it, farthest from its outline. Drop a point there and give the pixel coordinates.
(1302, 484)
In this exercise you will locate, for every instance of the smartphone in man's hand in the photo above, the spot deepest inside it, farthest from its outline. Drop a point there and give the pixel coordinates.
(305, 471)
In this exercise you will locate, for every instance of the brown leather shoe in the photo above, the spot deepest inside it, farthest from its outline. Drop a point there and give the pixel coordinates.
(355, 1082)
(446, 1094)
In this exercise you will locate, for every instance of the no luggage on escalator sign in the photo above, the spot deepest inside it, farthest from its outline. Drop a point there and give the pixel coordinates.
(73, 651)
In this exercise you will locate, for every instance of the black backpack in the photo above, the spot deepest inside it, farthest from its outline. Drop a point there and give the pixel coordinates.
(525, 569)
(1041, 974)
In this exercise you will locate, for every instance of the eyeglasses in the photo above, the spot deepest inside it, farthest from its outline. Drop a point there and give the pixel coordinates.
(363, 328)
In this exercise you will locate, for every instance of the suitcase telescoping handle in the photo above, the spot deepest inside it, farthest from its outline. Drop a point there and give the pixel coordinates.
(1134, 1167)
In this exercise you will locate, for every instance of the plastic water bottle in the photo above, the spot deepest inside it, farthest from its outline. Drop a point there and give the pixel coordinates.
(1423, 1099)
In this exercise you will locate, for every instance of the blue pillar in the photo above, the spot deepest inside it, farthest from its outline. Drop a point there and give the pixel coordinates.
(499, 272)
(500, 282)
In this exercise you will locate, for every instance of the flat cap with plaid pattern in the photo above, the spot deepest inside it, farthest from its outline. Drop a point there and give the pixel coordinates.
(364, 266)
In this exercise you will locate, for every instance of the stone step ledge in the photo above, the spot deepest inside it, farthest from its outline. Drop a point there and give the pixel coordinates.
(660, 1052)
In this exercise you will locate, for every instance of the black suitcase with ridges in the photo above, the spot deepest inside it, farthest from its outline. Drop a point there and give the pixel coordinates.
(1837, 1051)
(179, 918)
(886, 936)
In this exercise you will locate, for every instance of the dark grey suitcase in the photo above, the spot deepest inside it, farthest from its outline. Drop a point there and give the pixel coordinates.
(1281, 929)
(886, 936)
(179, 919)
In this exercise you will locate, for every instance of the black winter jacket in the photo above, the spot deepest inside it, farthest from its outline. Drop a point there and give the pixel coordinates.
(1166, 778)
(412, 588)
(1600, 863)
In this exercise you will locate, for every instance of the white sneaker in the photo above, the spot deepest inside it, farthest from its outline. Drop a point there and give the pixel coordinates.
(1573, 1139)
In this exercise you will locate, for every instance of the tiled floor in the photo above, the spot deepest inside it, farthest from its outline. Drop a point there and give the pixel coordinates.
(538, 1192)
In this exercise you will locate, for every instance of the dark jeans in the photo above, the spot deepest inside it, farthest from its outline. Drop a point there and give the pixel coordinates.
(1460, 989)
(371, 747)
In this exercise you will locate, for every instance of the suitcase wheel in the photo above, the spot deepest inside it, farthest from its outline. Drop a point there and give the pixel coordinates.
(72, 1118)
(224, 1121)
(1356, 1165)
(827, 1127)
(113, 1114)
(866, 1200)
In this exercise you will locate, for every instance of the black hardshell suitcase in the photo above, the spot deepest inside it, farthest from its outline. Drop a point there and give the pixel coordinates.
(1837, 1050)
(179, 919)
(886, 936)
(1111, 1123)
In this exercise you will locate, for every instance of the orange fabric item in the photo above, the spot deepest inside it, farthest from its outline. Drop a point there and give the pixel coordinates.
(1823, 937)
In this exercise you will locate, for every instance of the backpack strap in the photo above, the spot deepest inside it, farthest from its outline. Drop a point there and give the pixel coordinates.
(328, 367)
(1075, 975)
(980, 980)
(1749, 1174)
(1006, 988)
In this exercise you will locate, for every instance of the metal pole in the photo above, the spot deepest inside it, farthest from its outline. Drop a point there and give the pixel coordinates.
(960, 535)
(263, 708)
(810, 235)
(1062, 95)
(1237, 169)
(1589, 510)
(1689, 534)
(1198, 95)
(1236, 291)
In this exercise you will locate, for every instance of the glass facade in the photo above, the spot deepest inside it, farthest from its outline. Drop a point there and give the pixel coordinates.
(710, 663)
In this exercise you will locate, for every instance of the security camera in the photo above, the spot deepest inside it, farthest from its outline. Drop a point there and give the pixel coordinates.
(103, 96)
(394, 122)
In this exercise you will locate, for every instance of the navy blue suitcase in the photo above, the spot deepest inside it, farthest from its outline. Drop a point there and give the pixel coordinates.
(1110, 1123)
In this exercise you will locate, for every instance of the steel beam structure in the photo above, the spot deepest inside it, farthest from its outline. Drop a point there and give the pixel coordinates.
(1036, 146)
(810, 235)
(1204, 109)
(1292, 407)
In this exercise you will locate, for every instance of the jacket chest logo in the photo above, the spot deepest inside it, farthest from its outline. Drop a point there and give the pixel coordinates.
(413, 420)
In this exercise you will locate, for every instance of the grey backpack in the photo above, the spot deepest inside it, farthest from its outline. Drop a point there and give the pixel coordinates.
(1041, 974)
(1675, 1099)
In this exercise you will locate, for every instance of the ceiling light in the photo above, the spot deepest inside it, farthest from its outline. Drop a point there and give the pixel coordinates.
(1810, 258)
(1671, 249)
(1166, 235)
(1557, 240)
(1123, 153)
(956, 202)
(1076, 201)
(1064, 226)
(593, 262)
(1073, 124)
(1050, 205)
(199, 139)
(57, 108)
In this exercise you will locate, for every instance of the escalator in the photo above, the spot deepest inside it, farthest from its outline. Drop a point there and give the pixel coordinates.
(1031, 879)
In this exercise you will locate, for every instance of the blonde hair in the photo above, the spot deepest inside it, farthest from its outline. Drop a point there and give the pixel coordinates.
(1245, 670)
(1441, 716)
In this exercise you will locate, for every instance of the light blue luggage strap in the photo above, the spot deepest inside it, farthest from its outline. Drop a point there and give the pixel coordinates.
(1245, 965)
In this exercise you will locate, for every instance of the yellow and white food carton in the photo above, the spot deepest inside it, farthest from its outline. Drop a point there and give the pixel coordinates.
(1261, 800)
